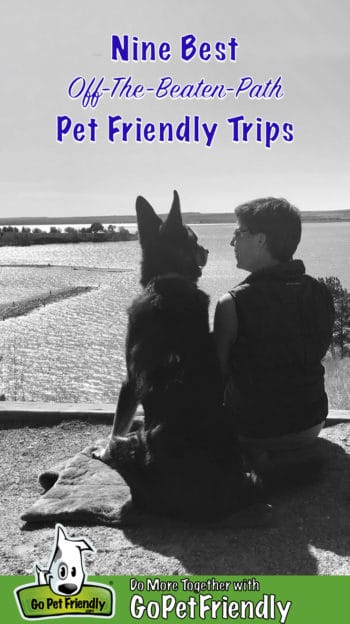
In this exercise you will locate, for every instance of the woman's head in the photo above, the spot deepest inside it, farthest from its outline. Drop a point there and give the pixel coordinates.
(269, 228)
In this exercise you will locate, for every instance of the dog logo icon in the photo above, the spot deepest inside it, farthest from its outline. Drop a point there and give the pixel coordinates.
(66, 573)
(61, 588)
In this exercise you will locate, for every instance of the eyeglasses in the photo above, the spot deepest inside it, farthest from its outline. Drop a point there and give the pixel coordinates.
(238, 233)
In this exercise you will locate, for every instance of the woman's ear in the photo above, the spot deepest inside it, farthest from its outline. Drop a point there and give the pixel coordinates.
(261, 239)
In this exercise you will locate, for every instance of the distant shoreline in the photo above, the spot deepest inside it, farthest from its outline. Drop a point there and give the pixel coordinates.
(327, 216)
(12, 236)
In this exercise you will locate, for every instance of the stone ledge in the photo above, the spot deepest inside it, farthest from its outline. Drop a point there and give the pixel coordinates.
(15, 413)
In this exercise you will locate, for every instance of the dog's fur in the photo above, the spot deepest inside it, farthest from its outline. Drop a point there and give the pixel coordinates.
(185, 462)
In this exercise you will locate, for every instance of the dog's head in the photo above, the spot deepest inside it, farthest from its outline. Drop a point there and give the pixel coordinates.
(168, 246)
(66, 573)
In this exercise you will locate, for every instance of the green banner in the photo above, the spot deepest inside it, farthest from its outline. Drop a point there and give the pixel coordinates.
(127, 599)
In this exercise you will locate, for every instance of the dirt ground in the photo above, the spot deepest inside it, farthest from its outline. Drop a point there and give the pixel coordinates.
(308, 531)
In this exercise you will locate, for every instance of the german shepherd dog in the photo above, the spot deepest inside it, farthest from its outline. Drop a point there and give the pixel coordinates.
(185, 461)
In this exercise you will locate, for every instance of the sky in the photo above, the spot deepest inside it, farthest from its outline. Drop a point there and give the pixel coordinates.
(45, 45)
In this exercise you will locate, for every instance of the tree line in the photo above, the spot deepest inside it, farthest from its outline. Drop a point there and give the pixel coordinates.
(95, 233)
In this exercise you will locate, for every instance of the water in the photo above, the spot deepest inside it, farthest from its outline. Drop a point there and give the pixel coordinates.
(73, 350)
(324, 248)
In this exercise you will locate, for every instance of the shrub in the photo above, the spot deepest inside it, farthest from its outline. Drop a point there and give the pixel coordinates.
(341, 329)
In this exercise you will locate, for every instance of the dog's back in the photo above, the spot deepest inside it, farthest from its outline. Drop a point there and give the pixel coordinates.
(169, 347)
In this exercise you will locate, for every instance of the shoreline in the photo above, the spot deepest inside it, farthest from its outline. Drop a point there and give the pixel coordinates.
(326, 216)
(25, 306)
(64, 266)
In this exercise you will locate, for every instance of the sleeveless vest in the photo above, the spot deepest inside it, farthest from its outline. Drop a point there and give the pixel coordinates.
(285, 321)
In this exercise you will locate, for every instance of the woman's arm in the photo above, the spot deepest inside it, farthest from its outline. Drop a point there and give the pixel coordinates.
(225, 331)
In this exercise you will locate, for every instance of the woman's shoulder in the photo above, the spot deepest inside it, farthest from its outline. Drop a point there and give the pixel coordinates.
(227, 299)
(225, 308)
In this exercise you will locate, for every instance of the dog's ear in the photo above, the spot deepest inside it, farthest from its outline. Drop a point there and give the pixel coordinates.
(148, 222)
(173, 223)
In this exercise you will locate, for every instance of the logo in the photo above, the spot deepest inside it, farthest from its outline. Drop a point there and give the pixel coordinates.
(61, 590)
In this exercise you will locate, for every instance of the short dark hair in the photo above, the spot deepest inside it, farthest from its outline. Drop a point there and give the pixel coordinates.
(278, 220)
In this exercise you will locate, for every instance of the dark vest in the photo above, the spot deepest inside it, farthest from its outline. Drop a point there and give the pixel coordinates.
(285, 321)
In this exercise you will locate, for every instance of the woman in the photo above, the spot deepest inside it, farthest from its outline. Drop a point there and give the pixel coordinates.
(272, 331)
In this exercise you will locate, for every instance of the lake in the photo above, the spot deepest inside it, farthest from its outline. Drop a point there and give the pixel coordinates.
(73, 350)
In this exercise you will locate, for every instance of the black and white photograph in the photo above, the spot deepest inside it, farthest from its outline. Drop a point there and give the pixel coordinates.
(175, 287)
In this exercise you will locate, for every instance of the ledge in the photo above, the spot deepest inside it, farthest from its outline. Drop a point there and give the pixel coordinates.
(337, 416)
(15, 413)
